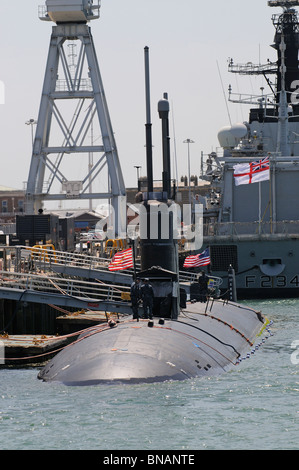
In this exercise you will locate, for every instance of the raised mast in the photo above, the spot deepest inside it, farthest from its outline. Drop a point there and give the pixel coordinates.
(278, 105)
(282, 145)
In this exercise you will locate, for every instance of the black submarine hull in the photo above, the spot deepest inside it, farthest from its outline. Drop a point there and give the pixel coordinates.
(207, 339)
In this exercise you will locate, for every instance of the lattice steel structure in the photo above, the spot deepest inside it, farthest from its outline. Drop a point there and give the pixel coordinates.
(68, 161)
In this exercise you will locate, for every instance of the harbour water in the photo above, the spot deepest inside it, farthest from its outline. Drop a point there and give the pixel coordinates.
(253, 406)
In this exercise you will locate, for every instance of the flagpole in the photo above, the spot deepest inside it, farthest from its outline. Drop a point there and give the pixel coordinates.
(273, 195)
(255, 172)
(270, 193)
(134, 259)
(260, 207)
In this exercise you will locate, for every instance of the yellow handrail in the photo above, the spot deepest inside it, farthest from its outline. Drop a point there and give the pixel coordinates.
(42, 251)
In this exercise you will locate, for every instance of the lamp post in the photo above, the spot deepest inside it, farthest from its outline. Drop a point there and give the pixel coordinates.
(189, 141)
(31, 123)
(137, 168)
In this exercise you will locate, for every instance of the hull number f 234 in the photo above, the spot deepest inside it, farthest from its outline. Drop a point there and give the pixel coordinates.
(271, 282)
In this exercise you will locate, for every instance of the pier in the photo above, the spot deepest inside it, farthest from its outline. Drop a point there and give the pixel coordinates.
(47, 297)
(29, 350)
(45, 293)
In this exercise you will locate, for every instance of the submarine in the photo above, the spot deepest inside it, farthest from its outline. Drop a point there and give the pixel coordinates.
(183, 340)
(206, 340)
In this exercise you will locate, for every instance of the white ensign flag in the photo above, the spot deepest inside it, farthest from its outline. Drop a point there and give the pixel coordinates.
(254, 172)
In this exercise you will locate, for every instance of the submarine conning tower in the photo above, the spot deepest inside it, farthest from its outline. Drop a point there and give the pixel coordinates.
(158, 225)
(159, 220)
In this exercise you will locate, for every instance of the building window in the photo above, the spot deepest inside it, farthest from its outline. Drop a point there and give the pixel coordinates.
(20, 205)
(4, 206)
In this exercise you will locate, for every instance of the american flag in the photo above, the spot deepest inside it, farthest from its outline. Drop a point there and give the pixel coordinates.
(202, 259)
(254, 172)
(122, 260)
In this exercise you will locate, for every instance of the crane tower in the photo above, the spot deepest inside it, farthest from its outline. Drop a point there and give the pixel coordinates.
(73, 116)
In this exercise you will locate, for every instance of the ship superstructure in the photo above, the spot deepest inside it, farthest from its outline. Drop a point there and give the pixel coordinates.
(255, 227)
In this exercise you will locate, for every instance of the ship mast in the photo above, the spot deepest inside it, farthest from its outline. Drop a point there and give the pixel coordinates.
(287, 44)
(287, 26)
(282, 145)
(278, 104)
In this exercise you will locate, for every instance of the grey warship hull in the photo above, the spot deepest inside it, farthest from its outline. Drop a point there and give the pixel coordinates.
(265, 267)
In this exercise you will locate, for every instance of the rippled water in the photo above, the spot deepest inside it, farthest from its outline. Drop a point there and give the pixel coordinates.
(254, 406)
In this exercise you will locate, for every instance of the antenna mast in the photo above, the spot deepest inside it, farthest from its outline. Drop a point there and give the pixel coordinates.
(286, 4)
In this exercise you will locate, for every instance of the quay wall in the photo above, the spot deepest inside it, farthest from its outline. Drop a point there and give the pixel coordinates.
(24, 318)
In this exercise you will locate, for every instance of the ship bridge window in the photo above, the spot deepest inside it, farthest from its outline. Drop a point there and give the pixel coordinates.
(222, 256)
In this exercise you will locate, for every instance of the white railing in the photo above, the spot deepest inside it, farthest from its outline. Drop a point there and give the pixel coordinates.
(83, 84)
(25, 259)
(40, 257)
(282, 228)
(58, 285)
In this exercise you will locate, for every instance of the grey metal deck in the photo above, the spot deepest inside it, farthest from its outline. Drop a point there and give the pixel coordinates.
(76, 293)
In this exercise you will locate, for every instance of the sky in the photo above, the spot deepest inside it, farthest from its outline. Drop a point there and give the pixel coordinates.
(189, 44)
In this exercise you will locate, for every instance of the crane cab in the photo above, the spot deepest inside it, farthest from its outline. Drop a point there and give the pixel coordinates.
(72, 11)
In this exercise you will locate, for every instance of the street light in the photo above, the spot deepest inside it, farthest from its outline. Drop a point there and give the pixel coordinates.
(137, 168)
(31, 123)
(189, 141)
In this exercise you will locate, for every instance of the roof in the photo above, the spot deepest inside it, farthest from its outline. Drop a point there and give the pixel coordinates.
(68, 213)
(6, 189)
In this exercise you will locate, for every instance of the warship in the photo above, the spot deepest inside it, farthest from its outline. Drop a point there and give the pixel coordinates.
(180, 340)
(254, 226)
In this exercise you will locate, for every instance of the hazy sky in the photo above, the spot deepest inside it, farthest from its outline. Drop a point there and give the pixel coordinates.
(186, 39)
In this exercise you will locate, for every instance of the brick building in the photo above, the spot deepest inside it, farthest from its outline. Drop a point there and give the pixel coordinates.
(12, 203)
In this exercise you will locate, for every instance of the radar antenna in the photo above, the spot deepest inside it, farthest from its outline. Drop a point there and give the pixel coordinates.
(286, 4)
(73, 116)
